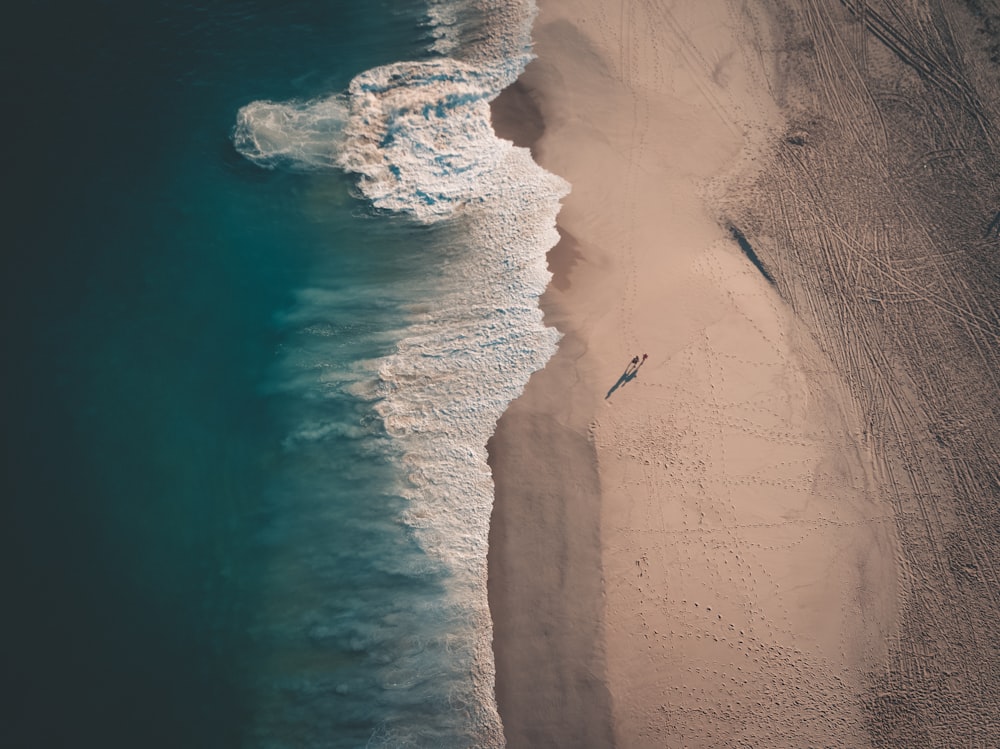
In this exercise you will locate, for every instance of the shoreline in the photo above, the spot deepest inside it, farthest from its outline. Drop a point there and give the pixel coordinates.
(703, 555)
(552, 615)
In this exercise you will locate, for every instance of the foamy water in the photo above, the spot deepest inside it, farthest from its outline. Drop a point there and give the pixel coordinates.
(418, 137)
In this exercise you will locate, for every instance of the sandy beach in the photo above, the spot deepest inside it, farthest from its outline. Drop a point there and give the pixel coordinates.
(779, 530)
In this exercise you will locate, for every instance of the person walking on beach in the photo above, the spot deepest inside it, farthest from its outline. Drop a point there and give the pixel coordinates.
(629, 374)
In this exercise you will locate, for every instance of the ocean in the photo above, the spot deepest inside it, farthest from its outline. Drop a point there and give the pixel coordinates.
(269, 281)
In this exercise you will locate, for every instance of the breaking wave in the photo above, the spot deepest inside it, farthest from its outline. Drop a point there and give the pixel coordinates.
(417, 134)
(418, 137)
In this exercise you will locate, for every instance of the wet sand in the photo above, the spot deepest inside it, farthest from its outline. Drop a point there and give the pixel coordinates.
(780, 531)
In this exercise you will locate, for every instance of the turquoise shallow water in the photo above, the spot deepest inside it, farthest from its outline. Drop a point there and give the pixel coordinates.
(162, 540)
(247, 390)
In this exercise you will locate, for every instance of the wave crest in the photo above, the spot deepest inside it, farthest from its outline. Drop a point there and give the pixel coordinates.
(417, 134)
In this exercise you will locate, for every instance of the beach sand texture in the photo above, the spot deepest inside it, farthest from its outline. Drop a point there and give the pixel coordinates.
(780, 531)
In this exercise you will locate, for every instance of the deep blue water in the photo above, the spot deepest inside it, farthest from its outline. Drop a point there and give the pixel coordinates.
(185, 563)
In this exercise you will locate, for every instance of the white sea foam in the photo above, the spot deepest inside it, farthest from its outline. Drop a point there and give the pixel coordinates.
(302, 135)
(418, 135)
(443, 18)
(450, 379)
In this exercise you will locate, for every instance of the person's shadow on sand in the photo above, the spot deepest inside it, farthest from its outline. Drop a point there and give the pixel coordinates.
(627, 376)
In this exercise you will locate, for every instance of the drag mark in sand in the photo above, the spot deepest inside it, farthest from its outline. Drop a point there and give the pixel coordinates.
(881, 238)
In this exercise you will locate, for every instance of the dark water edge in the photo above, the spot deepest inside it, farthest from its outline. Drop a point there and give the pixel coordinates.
(144, 270)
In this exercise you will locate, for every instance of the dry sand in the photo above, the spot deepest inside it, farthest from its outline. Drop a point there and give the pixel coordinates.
(756, 541)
